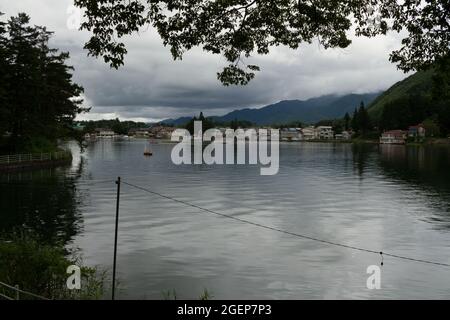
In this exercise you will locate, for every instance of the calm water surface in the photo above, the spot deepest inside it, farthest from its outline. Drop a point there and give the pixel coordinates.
(394, 199)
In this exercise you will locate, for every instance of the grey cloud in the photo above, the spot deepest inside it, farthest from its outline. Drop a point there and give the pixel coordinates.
(153, 86)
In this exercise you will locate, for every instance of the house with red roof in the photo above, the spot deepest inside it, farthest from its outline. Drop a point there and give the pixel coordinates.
(394, 137)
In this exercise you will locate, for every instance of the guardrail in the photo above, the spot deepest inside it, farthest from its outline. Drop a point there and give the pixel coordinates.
(37, 157)
(18, 293)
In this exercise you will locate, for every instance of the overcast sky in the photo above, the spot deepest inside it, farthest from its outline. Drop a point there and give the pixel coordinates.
(151, 86)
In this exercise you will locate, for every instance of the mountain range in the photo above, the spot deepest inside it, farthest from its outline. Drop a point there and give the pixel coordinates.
(287, 111)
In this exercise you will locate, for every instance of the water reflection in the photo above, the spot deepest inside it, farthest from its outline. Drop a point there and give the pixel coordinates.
(424, 171)
(44, 202)
(361, 154)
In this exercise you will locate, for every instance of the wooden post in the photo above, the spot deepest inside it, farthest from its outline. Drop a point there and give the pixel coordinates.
(17, 292)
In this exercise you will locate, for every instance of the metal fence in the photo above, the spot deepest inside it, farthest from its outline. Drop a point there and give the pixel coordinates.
(21, 158)
(15, 293)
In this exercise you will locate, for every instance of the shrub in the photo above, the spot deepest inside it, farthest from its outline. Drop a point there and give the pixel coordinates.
(42, 270)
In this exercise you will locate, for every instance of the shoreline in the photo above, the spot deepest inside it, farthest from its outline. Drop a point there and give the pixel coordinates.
(428, 142)
(31, 165)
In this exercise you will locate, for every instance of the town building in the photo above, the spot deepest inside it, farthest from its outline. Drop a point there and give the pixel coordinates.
(417, 132)
(161, 132)
(104, 133)
(309, 133)
(394, 137)
(345, 135)
(324, 133)
(291, 134)
(139, 132)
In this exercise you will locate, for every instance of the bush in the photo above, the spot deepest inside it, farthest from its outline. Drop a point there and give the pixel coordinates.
(41, 269)
(40, 145)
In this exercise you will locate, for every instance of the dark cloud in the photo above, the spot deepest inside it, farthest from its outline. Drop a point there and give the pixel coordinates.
(151, 86)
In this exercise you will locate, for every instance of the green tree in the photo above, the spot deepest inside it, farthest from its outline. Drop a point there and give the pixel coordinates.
(117, 127)
(364, 123)
(236, 29)
(327, 123)
(190, 125)
(441, 83)
(234, 124)
(432, 127)
(347, 120)
(3, 80)
(338, 126)
(412, 110)
(444, 117)
(40, 98)
(355, 120)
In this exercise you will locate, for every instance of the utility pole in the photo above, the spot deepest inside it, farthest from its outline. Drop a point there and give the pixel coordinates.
(115, 239)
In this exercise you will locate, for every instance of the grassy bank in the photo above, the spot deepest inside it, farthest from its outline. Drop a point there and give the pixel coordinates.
(431, 142)
(42, 269)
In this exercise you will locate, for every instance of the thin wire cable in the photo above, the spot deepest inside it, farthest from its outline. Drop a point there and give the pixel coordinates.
(298, 235)
(92, 182)
(23, 291)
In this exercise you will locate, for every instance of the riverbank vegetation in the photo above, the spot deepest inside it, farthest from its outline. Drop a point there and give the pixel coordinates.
(38, 99)
(41, 269)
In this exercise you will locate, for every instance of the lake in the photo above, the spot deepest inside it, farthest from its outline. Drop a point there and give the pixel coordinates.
(394, 199)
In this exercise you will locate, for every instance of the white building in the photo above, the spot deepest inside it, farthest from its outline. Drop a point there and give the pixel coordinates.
(291, 134)
(309, 133)
(345, 135)
(104, 133)
(324, 133)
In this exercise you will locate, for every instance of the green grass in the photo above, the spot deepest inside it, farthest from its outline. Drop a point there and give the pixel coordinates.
(172, 295)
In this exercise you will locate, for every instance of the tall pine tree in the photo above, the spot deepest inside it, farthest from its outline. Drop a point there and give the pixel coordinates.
(39, 99)
(347, 120)
(363, 119)
(355, 121)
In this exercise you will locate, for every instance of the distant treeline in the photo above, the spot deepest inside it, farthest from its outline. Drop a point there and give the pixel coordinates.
(209, 123)
(119, 127)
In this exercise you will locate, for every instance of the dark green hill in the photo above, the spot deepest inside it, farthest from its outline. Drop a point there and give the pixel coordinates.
(420, 98)
(419, 83)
